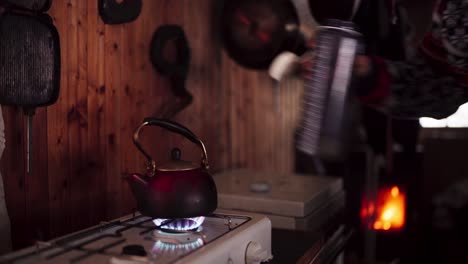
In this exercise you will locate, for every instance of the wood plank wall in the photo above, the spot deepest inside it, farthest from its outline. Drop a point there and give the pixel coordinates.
(82, 144)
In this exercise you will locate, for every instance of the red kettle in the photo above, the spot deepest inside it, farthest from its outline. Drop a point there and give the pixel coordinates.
(178, 189)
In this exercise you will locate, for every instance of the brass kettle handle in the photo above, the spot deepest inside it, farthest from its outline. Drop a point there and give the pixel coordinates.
(174, 127)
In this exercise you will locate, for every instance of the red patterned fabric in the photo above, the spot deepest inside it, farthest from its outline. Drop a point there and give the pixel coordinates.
(446, 46)
(435, 82)
(383, 80)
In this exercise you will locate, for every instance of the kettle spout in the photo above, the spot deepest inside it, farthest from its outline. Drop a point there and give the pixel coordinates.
(139, 186)
(137, 178)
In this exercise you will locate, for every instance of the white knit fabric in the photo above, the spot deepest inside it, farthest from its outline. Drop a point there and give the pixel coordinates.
(5, 233)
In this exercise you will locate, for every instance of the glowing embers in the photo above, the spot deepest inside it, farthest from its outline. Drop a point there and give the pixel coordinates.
(181, 224)
(387, 212)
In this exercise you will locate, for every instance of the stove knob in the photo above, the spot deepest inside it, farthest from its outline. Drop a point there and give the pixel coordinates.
(134, 250)
(255, 253)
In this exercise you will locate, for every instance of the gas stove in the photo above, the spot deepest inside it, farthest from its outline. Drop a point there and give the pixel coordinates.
(223, 237)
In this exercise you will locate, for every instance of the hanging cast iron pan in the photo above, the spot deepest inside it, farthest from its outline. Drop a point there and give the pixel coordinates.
(162, 36)
(119, 12)
(30, 60)
(331, 9)
(254, 32)
(176, 68)
(32, 5)
(29, 63)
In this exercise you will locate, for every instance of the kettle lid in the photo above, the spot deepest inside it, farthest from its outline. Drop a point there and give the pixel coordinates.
(176, 164)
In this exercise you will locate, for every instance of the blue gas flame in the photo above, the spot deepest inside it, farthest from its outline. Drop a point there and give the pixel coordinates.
(163, 248)
(182, 224)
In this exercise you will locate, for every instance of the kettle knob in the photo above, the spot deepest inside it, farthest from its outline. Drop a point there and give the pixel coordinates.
(176, 154)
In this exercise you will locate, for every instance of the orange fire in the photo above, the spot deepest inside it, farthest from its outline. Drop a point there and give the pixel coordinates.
(389, 214)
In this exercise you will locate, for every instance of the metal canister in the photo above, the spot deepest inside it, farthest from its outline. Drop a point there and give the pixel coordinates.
(324, 120)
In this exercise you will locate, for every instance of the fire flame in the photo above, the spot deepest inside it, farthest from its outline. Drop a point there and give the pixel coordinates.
(388, 210)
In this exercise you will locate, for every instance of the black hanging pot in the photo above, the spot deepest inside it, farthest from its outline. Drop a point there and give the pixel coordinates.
(178, 189)
(254, 32)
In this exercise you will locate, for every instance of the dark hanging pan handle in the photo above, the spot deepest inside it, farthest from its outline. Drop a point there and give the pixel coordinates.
(174, 127)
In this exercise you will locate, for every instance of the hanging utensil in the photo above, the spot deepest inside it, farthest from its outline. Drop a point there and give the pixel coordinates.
(177, 69)
(119, 12)
(254, 32)
(30, 113)
(31, 5)
(30, 69)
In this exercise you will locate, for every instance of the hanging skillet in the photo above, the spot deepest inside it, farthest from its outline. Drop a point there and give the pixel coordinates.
(254, 32)
(32, 5)
(119, 12)
(30, 64)
(176, 69)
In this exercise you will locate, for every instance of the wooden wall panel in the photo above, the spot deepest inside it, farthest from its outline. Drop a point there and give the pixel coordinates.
(98, 187)
(13, 172)
(57, 130)
(113, 98)
(36, 182)
(108, 86)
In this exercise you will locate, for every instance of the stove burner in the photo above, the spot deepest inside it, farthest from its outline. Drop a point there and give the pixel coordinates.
(177, 237)
(163, 248)
(180, 224)
(176, 243)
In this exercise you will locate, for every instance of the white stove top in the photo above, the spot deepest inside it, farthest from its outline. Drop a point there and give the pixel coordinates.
(290, 195)
(291, 201)
(223, 237)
